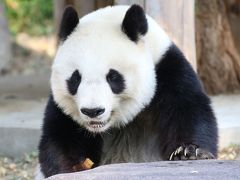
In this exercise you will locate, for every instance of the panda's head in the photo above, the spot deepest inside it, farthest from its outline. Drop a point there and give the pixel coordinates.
(103, 73)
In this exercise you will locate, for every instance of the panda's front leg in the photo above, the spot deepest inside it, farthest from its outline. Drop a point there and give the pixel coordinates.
(188, 129)
(56, 157)
(187, 125)
(65, 145)
(190, 152)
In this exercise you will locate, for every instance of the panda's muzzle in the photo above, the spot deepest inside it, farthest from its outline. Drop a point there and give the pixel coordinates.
(92, 113)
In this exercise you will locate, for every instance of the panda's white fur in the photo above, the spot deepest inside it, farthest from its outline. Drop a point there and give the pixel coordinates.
(97, 45)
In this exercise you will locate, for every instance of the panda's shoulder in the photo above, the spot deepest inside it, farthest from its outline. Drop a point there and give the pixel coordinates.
(174, 71)
(55, 118)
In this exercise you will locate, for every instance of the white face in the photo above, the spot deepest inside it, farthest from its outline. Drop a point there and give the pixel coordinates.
(93, 50)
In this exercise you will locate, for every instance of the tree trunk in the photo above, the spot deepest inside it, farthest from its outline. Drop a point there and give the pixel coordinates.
(5, 45)
(217, 56)
(233, 12)
(59, 6)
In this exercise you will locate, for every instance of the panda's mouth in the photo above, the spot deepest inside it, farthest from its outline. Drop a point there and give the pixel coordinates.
(96, 124)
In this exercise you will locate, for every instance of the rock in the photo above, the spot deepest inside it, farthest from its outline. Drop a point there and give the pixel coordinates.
(167, 170)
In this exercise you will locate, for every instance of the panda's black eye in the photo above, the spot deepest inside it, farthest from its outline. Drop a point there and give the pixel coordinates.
(73, 82)
(116, 81)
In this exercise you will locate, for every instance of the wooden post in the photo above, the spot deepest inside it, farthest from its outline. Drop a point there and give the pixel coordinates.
(58, 11)
(84, 7)
(177, 19)
(129, 2)
(103, 3)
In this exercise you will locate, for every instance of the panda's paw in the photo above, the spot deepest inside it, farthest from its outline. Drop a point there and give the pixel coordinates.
(190, 152)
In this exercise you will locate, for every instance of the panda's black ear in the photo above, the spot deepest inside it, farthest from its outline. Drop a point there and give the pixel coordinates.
(135, 22)
(69, 22)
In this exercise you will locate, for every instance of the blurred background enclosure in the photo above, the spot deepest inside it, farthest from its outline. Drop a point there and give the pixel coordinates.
(217, 23)
(218, 48)
(208, 32)
(32, 17)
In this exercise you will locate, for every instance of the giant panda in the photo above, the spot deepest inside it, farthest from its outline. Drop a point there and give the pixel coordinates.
(122, 91)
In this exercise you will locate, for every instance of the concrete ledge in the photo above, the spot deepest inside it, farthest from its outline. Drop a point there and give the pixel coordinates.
(22, 103)
(15, 142)
(167, 170)
(27, 87)
(20, 123)
(227, 109)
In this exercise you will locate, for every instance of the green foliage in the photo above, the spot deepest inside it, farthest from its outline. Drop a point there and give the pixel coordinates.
(34, 17)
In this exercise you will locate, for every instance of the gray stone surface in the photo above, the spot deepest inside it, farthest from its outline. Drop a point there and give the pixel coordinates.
(20, 123)
(15, 142)
(166, 170)
(24, 87)
(22, 103)
(227, 109)
(20, 113)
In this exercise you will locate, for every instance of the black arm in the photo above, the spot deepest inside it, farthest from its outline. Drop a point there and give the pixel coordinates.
(184, 110)
(64, 143)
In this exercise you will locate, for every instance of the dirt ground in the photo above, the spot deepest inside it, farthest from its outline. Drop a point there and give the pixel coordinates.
(18, 169)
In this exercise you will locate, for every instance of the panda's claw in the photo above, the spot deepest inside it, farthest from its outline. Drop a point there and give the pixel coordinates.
(175, 152)
(171, 156)
(197, 152)
(185, 152)
(190, 152)
(180, 149)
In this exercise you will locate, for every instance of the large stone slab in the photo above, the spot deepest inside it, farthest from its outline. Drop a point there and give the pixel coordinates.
(167, 170)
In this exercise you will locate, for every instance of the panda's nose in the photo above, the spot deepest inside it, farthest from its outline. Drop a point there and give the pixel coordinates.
(92, 113)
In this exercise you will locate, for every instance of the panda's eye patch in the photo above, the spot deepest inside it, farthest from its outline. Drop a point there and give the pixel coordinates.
(116, 81)
(73, 82)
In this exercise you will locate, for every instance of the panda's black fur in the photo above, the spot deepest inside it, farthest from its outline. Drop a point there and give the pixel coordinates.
(135, 23)
(69, 22)
(179, 114)
(182, 118)
(64, 143)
